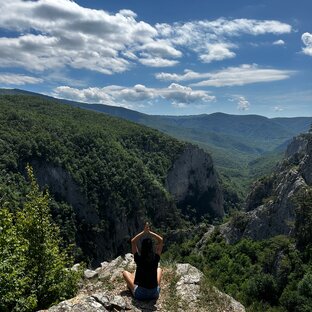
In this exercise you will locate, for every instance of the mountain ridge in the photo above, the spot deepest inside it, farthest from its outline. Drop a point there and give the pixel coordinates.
(243, 147)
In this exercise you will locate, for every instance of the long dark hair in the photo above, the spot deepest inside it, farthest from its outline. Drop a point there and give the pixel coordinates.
(147, 249)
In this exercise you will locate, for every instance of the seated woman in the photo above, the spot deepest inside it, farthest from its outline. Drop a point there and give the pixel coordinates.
(145, 284)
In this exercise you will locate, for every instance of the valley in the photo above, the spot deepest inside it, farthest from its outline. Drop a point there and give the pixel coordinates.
(231, 194)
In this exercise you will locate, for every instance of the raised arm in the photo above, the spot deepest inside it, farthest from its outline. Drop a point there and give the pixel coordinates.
(160, 242)
(134, 240)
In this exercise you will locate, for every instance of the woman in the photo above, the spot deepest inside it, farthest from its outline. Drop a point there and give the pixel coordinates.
(145, 284)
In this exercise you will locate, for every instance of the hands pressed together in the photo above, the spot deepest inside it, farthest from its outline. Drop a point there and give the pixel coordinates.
(147, 230)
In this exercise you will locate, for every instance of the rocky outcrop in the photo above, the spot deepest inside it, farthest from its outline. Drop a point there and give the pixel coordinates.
(193, 181)
(270, 206)
(182, 289)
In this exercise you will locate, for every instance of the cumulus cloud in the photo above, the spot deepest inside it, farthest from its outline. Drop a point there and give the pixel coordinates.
(279, 42)
(231, 76)
(307, 41)
(176, 94)
(217, 52)
(242, 103)
(17, 79)
(59, 33)
(181, 95)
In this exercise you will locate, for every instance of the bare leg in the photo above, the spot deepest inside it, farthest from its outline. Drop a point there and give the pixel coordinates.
(159, 274)
(129, 278)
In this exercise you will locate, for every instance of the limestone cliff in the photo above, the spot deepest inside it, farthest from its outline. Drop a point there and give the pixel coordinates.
(183, 289)
(270, 207)
(192, 181)
(103, 234)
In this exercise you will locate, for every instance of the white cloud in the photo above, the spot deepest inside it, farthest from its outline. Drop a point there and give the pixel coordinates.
(17, 79)
(213, 40)
(151, 61)
(307, 41)
(188, 75)
(161, 48)
(231, 76)
(278, 108)
(181, 95)
(60, 33)
(279, 42)
(242, 103)
(176, 94)
(236, 27)
(217, 52)
(68, 34)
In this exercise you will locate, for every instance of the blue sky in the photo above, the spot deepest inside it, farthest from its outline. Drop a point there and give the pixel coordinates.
(163, 57)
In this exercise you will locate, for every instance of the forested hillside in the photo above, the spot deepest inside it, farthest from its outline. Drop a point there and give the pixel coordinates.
(106, 175)
(114, 168)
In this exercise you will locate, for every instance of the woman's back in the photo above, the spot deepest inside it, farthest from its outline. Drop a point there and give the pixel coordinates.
(146, 272)
(145, 284)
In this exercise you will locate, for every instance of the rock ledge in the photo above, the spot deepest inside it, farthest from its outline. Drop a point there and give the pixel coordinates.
(181, 290)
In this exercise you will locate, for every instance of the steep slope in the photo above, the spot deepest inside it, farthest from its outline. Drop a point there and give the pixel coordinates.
(107, 175)
(270, 207)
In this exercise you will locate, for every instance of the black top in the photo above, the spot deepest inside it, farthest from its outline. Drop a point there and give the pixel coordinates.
(146, 272)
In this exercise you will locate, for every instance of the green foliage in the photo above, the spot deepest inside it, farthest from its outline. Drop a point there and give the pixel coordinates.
(303, 224)
(34, 271)
(270, 275)
(119, 168)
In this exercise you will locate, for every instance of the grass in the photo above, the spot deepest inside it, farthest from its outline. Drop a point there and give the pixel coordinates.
(170, 279)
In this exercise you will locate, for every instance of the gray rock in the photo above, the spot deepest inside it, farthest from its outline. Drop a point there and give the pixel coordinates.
(76, 267)
(270, 206)
(79, 304)
(189, 291)
(188, 288)
(120, 303)
(94, 297)
(90, 274)
(192, 177)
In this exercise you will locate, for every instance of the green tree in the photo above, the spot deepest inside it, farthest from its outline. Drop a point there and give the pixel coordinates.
(34, 270)
(303, 223)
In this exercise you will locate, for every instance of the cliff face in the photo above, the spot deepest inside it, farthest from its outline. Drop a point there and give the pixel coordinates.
(270, 207)
(182, 289)
(100, 234)
(192, 181)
